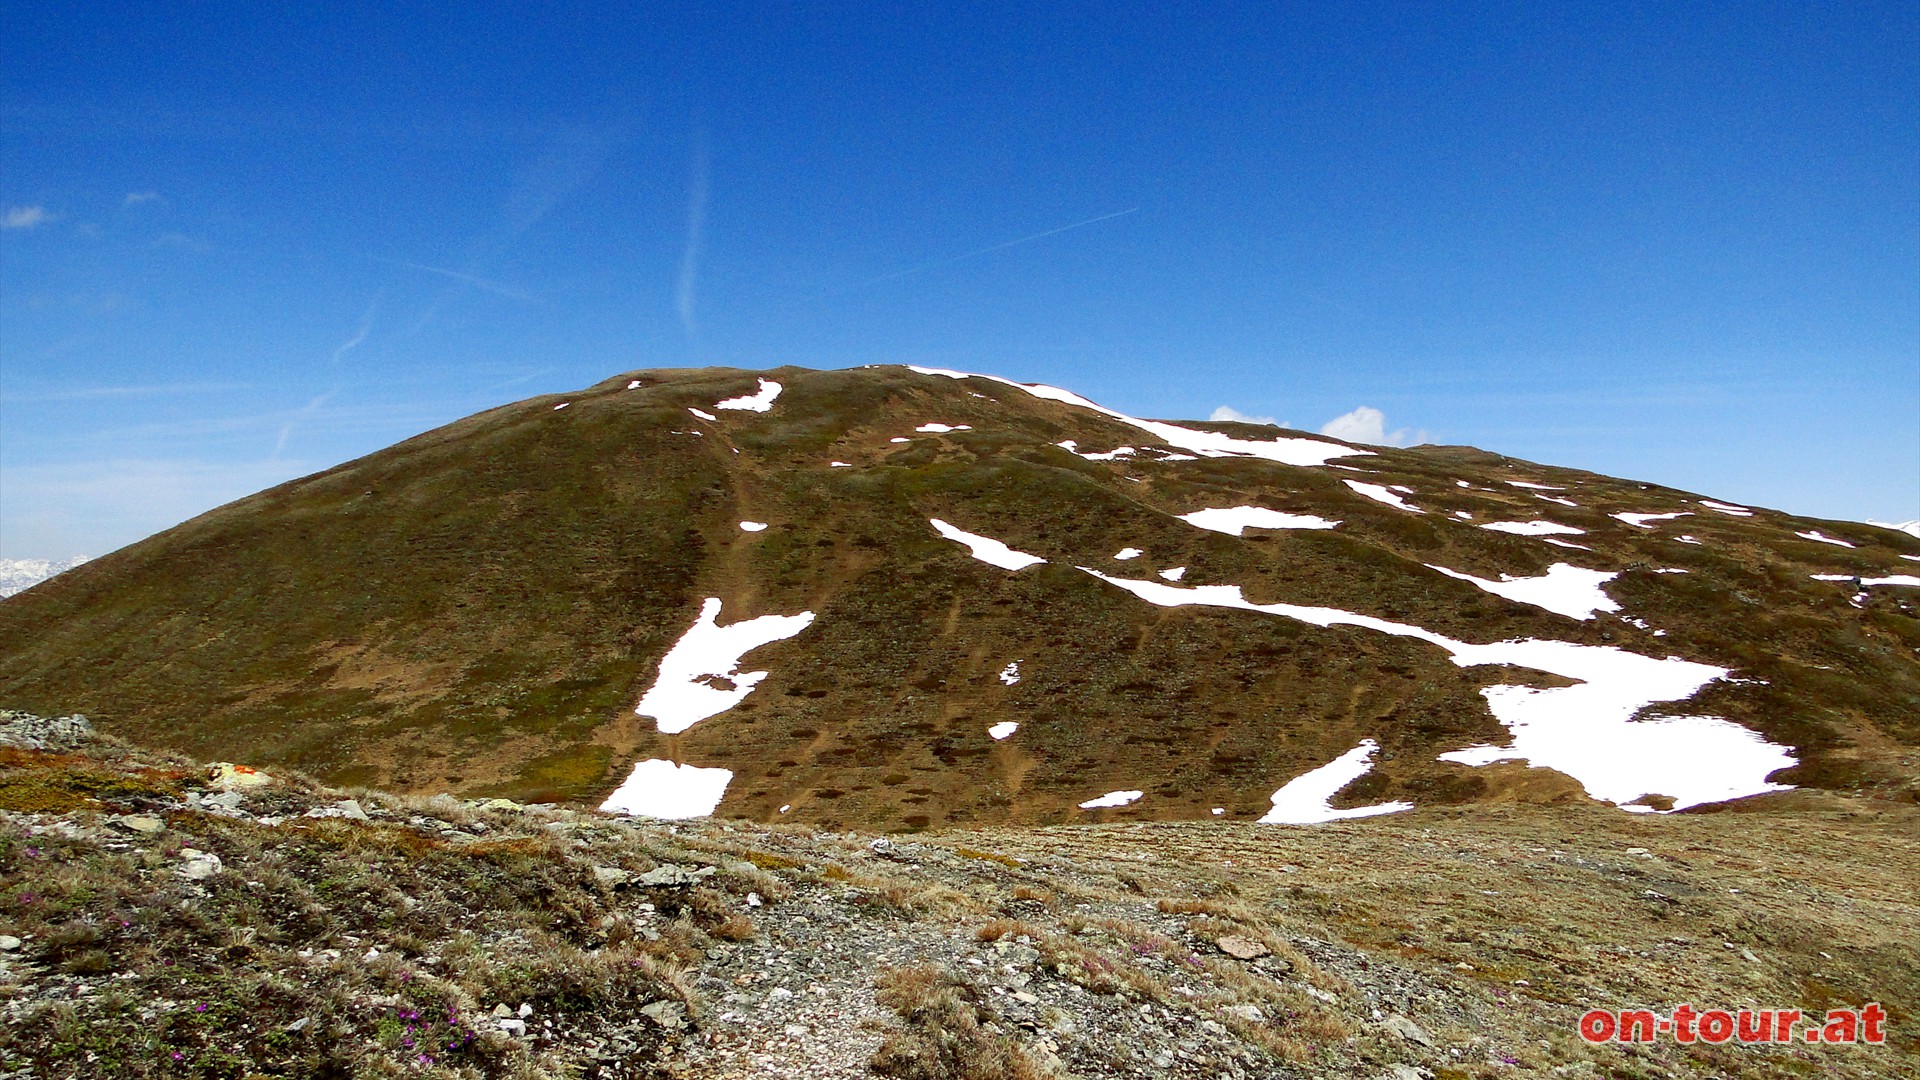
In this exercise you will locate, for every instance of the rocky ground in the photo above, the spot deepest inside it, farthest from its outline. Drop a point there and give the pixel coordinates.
(163, 917)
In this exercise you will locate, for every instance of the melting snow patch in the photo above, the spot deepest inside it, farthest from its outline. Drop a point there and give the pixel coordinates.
(1564, 544)
(1218, 810)
(1536, 487)
(1011, 673)
(1463, 515)
(1381, 494)
(1461, 483)
(753, 526)
(662, 789)
(1111, 798)
(1174, 573)
(986, 548)
(1303, 801)
(1287, 451)
(760, 402)
(1557, 499)
(1072, 447)
(702, 413)
(1533, 528)
(1233, 520)
(1685, 538)
(1670, 570)
(1896, 579)
(939, 428)
(1816, 534)
(562, 405)
(1726, 508)
(1128, 553)
(1564, 590)
(1002, 729)
(900, 439)
(634, 385)
(687, 691)
(1639, 521)
(1587, 730)
(840, 464)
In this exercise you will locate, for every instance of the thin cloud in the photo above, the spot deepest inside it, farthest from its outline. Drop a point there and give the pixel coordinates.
(1228, 412)
(1369, 425)
(686, 285)
(306, 412)
(991, 248)
(359, 335)
(88, 393)
(135, 198)
(507, 291)
(25, 217)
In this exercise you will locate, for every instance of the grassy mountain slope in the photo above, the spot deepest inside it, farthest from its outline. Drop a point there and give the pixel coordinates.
(478, 609)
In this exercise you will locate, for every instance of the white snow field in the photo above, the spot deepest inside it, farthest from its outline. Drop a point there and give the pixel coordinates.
(1002, 729)
(1174, 573)
(760, 402)
(1235, 520)
(1111, 798)
(1639, 521)
(1816, 534)
(1911, 528)
(19, 575)
(1073, 447)
(1303, 800)
(1287, 451)
(1381, 494)
(685, 693)
(1533, 528)
(1726, 508)
(1896, 579)
(986, 548)
(1564, 589)
(658, 788)
(1587, 730)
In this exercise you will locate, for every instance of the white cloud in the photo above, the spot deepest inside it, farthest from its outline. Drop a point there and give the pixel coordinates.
(25, 217)
(135, 198)
(1367, 424)
(1228, 412)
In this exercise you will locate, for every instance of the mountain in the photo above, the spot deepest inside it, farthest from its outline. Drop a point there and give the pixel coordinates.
(19, 575)
(904, 597)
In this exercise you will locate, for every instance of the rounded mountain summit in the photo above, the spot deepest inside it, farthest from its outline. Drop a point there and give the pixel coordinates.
(902, 597)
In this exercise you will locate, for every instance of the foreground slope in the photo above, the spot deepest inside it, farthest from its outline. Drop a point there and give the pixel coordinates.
(974, 601)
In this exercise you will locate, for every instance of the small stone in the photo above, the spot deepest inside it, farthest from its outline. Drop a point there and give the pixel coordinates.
(753, 899)
(672, 876)
(1241, 948)
(515, 1028)
(351, 808)
(1404, 1072)
(141, 823)
(668, 1014)
(198, 865)
(501, 1011)
(1250, 1013)
(298, 1026)
(611, 877)
(1407, 1029)
(9, 943)
(778, 993)
(524, 1011)
(1639, 851)
(1022, 995)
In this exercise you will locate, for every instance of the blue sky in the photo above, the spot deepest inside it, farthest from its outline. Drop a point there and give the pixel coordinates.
(1679, 243)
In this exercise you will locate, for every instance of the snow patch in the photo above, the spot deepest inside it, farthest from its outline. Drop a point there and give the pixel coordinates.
(702, 413)
(1726, 508)
(1303, 801)
(760, 402)
(19, 575)
(1073, 447)
(687, 689)
(753, 526)
(1564, 589)
(1233, 520)
(1111, 798)
(839, 464)
(1536, 487)
(986, 548)
(1895, 579)
(1002, 729)
(661, 789)
(942, 428)
(1639, 521)
(1011, 673)
(1911, 528)
(1128, 553)
(1533, 528)
(1174, 573)
(1686, 538)
(1557, 499)
(1382, 494)
(1816, 534)
(1287, 451)
(1588, 730)
(562, 405)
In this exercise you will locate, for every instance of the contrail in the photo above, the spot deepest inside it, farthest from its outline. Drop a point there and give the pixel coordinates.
(360, 335)
(962, 257)
(480, 282)
(683, 290)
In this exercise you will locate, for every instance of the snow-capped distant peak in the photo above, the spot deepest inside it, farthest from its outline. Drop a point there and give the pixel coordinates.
(19, 575)
(1911, 528)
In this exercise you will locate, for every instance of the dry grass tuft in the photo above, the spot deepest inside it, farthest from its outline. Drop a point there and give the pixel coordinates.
(951, 1034)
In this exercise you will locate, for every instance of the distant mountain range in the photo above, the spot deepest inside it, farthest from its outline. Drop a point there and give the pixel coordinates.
(905, 597)
(17, 575)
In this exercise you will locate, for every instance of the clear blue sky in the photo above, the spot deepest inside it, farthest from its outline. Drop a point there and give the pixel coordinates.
(1676, 242)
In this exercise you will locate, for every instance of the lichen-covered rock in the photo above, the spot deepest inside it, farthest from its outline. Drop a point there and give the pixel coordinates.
(30, 732)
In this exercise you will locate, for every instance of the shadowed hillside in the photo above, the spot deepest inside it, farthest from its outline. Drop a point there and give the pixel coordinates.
(479, 609)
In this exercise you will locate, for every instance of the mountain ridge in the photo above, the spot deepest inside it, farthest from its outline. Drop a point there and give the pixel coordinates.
(481, 607)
